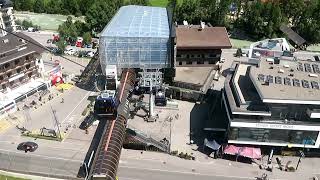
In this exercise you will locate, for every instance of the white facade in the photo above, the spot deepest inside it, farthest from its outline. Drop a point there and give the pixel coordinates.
(7, 20)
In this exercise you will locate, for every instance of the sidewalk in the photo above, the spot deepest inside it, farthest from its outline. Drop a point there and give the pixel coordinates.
(308, 168)
(25, 176)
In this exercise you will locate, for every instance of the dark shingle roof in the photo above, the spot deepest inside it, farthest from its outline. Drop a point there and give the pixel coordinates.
(12, 47)
(296, 38)
(196, 38)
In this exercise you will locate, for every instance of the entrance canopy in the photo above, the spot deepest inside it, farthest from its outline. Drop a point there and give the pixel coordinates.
(249, 152)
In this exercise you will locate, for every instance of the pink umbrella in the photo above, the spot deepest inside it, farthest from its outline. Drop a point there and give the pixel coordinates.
(250, 152)
(231, 149)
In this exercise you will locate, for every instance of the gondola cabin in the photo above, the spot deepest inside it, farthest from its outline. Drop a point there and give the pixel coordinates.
(106, 105)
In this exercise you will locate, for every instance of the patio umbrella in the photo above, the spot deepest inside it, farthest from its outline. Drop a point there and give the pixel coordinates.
(231, 150)
(250, 152)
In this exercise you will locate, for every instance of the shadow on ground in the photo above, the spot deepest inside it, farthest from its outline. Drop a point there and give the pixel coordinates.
(93, 147)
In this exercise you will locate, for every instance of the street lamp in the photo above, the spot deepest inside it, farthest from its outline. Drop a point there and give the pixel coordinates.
(302, 152)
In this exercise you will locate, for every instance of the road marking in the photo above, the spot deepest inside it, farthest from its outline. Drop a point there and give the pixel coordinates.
(46, 157)
(75, 108)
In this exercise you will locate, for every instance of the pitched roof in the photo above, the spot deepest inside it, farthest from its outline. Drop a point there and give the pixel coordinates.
(194, 37)
(17, 45)
(296, 38)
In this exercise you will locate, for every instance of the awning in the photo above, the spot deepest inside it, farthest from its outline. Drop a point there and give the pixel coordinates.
(211, 144)
(249, 152)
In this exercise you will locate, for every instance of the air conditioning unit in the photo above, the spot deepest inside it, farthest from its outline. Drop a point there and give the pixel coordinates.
(281, 71)
(313, 75)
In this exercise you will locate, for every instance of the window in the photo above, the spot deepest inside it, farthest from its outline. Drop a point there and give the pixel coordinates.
(211, 55)
(211, 62)
(189, 62)
(1, 78)
(273, 135)
(6, 65)
(27, 66)
(180, 63)
(202, 55)
(4, 86)
(192, 56)
(16, 62)
(30, 74)
(18, 70)
(188, 56)
(9, 74)
(179, 56)
(2, 55)
(200, 62)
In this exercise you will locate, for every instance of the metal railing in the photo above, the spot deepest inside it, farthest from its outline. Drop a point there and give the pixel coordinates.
(148, 139)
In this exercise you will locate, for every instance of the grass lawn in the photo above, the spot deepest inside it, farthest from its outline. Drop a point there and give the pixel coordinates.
(161, 3)
(237, 43)
(3, 177)
(315, 48)
(45, 21)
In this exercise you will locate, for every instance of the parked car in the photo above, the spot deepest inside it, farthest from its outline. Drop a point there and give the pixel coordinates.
(90, 54)
(70, 51)
(89, 46)
(87, 122)
(27, 146)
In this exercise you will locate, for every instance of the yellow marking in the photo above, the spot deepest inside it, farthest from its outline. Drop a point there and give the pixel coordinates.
(4, 125)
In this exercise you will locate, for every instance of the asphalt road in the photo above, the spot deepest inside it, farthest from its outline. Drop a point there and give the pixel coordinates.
(132, 173)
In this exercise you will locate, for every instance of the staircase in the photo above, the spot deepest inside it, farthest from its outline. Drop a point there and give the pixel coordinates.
(141, 138)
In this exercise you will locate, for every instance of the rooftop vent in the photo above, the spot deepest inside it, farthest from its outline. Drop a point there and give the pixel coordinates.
(281, 71)
(313, 75)
(5, 40)
(286, 66)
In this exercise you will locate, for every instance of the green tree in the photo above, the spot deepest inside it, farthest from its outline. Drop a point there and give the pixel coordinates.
(39, 6)
(100, 13)
(61, 45)
(68, 29)
(87, 38)
(53, 7)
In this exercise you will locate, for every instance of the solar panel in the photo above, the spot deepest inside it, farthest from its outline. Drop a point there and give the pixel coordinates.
(287, 81)
(269, 79)
(316, 68)
(300, 67)
(305, 84)
(278, 80)
(296, 82)
(314, 85)
(307, 67)
(261, 77)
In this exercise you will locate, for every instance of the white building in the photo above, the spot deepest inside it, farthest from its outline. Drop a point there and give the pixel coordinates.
(6, 18)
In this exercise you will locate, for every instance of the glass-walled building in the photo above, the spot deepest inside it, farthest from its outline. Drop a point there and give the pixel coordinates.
(136, 37)
(274, 102)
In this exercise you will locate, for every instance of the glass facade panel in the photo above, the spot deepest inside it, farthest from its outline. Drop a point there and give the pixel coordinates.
(141, 30)
(273, 135)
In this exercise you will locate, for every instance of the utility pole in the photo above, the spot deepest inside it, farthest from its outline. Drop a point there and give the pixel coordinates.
(56, 120)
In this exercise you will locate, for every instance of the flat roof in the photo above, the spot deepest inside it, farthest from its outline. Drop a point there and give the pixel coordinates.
(138, 21)
(194, 37)
(290, 81)
(194, 75)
